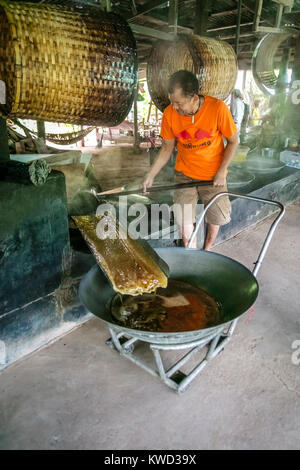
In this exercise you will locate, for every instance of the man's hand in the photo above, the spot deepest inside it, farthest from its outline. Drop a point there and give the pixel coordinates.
(162, 158)
(147, 183)
(230, 149)
(220, 178)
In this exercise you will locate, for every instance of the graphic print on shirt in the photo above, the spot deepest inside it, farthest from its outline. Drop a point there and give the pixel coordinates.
(199, 135)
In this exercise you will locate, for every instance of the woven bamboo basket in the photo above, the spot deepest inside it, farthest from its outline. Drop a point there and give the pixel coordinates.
(213, 62)
(263, 61)
(66, 63)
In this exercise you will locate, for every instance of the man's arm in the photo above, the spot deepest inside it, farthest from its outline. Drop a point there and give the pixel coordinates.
(162, 158)
(232, 144)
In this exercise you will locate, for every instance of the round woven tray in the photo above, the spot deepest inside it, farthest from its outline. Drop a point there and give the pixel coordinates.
(66, 63)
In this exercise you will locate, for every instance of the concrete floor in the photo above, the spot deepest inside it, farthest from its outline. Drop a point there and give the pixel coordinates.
(78, 394)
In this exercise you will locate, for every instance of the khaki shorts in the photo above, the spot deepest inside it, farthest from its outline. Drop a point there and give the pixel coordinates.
(217, 214)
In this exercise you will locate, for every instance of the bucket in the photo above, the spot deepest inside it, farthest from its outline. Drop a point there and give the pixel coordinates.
(241, 153)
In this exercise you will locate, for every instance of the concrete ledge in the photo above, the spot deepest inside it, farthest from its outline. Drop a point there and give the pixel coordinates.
(29, 328)
(284, 188)
(26, 329)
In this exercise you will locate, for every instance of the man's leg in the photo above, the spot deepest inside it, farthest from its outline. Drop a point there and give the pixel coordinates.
(211, 235)
(187, 231)
(185, 201)
(218, 214)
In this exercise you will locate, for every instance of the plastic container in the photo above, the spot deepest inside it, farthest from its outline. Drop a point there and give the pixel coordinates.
(268, 152)
(241, 153)
(290, 158)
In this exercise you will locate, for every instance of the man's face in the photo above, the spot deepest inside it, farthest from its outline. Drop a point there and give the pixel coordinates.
(184, 105)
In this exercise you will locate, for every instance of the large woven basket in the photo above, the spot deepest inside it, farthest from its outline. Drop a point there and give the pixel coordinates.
(263, 61)
(66, 63)
(213, 62)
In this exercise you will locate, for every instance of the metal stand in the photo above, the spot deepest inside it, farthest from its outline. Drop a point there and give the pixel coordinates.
(173, 377)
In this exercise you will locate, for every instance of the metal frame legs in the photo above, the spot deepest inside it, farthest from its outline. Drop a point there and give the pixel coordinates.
(173, 377)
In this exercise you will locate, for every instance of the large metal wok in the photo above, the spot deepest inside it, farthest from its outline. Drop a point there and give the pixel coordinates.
(229, 282)
(226, 280)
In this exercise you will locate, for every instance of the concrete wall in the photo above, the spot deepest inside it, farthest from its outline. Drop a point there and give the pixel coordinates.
(38, 284)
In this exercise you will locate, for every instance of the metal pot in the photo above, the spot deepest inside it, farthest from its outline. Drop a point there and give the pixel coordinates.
(238, 177)
(268, 152)
(263, 165)
(226, 280)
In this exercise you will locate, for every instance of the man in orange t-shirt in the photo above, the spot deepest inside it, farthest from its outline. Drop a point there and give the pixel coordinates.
(197, 124)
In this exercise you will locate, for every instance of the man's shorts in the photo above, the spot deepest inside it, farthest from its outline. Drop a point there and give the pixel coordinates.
(217, 214)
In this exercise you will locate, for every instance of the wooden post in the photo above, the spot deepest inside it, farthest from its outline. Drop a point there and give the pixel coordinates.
(203, 8)
(135, 117)
(4, 149)
(296, 66)
(238, 27)
(149, 112)
(173, 16)
(244, 79)
(133, 7)
(41, 132)
(82, 140)
(106, 4)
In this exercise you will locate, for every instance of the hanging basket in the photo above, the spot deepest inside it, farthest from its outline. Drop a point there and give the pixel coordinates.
(70, 64)
(263, 61)
(213, 62)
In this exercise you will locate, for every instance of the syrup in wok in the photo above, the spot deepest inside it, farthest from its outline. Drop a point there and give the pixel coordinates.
(178, 307)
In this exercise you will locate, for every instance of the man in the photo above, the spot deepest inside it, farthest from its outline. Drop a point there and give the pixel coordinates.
(197, 124)
(237, 108)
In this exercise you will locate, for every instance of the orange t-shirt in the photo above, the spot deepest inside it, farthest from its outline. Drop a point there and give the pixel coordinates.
(200, 146)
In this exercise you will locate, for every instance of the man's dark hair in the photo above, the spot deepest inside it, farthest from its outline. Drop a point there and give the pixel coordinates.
(185, 80)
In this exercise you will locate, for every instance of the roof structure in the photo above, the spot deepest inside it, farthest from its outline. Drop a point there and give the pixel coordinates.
(241, 23)
(228, 20)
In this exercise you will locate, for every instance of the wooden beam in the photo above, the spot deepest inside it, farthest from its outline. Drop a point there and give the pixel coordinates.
(252, 7)
(146, 8)
(152, 19)
(226, 12)
(243, 35)
(222, 28)
(151, 32)
(157, 21)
